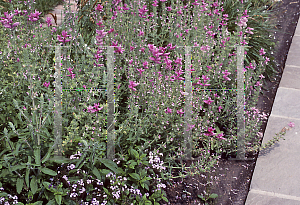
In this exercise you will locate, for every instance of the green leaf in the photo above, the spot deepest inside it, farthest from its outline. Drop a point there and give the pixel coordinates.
(27, 177)
(46, 157)
(20, 183)
(33, 185)
(106, 191)
(104, 172)
(14, 168)
(58, 199)
(37, 156)
(110, 164)
(38, 203)
(146, 186)
(46, 184)
(60, 159)
(135, 153)
(213, 196)
(51, 202)
(80, 160)
(164, 198)
(135, 176)
(48, 171)
(96, 173)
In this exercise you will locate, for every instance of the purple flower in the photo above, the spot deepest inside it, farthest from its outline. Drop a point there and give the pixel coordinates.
(178, 61)
(46, 84)
(7, 21)
(291, 124)
(249, 30)
(145, 64)
(209, 101)
(48, 21)
(125, 7)
(132, 85)
(243, 21)
(34, 16)
(169, 110)
(99, 7)
(220, 136)
(101, 34)
(99, 24)
(141, 70)
(262, 52)
(220, 108)
(169, 8)
(143, 10)
(64, 38)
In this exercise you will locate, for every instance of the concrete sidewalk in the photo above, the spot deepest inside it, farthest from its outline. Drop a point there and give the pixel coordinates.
(276, 177)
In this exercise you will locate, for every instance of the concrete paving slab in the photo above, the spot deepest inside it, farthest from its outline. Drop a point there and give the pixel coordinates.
(277, 168)
(257, 197)
(293, 54)
(286, 102)
(276, 176)
(290, 77)
(297, 31)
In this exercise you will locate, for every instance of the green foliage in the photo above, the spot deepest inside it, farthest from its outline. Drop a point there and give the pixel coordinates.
(259, 19)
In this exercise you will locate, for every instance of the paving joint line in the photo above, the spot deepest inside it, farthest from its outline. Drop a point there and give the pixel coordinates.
(295, 66)
(273, 194)
(279, 116)
(289, 88)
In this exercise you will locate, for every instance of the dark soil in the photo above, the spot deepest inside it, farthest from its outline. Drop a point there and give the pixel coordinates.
(232, 178)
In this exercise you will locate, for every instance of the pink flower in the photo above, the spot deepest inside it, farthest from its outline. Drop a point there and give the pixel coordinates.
(209, 101)
(210, 130)
(145, 64)
(169, 8)
(46, 84)
(243, 21)
(132, 85)
(291, 124)
(125, 7)
(220, 136)
(99, 7)
(169, 110)
(141, 33)
(262, 52)
(180, 112)
(249, 30)
(220, 108)
(178, 61)
(64, 38)
(141, 70)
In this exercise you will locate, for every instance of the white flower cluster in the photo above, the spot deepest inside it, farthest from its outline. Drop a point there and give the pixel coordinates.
(157, 160)
(75, 156)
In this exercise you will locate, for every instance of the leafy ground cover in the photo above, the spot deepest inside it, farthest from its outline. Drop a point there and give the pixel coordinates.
(230, 180)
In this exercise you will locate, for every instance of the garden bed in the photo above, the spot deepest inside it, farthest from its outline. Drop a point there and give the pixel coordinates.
(231, 179)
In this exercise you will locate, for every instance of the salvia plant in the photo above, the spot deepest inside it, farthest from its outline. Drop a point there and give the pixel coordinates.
(150, 97)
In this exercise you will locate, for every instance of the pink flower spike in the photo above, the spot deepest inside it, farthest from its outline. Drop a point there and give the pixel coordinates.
(132, 85)
(220, 108)
(209, 101)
